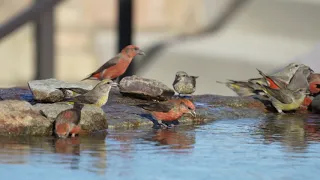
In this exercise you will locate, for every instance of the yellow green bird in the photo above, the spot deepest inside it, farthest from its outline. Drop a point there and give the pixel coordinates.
(97, 96)
(284, 99)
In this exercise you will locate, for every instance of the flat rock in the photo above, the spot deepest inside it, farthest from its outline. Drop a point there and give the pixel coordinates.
(144, 88)
(46, 90)
(19, 118)
(92, 117)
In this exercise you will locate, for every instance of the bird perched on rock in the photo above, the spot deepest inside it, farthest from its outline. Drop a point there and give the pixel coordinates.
(254, 85)
(298, 81)
(116, 66)
(97, 96)
(67, 121)
(284, 99)
(169, 111)
(184, 84)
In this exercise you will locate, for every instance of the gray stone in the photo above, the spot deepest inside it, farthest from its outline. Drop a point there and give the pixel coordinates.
(46, 90)
(92, 117)
(19, 118)
(144, 88)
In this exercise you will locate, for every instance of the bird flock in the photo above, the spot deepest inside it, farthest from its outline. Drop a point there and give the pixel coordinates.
(289, 89)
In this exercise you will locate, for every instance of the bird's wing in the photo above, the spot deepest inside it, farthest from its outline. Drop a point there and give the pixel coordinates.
(193, 80)
(87, 98)
(158, 107)
(281, 95)
(76, 90)
(106, 65)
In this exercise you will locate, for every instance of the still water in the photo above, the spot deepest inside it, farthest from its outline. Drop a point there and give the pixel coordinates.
(278, 147)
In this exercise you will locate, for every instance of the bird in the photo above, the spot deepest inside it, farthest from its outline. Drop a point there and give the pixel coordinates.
(184, 84)
(298, 81)
(300, 78)
(285, 99)
(169, 111)
(67, 121)
(116, 66)
(314, 83)
(253, 86)
(97, 96)
(72, 92)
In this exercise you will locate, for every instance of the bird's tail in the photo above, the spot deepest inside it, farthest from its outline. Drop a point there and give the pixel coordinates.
(241, 88)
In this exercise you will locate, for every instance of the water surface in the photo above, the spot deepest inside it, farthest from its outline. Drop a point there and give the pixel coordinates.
(279, 147)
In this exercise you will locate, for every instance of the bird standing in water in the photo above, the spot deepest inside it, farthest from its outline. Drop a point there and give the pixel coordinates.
(67, 121)
(169, 111)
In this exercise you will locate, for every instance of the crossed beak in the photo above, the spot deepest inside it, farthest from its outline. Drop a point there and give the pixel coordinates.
(193, 113)
(140, 52)
(311, 70)
(114, 84)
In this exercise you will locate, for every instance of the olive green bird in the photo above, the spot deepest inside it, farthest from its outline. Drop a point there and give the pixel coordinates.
(285, 99)
(255, 85)
(97, 96)
(72, 92)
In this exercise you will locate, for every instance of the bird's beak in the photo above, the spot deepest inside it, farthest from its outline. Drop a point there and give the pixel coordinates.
(311, 70)
(140, 52)
(193, 113)
(114, 84)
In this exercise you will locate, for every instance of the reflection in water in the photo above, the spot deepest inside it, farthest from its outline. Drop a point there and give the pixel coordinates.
(224, 149)
(293, 131)
(173, 138)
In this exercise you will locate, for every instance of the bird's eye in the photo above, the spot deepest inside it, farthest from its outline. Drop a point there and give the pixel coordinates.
(296, 65)
(189, 108)
(108, 82)
(136, 48)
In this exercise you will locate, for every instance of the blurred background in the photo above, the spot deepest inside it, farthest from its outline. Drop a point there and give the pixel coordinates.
(213, 39)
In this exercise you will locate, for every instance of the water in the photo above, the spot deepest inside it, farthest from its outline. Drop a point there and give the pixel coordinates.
(280, 147)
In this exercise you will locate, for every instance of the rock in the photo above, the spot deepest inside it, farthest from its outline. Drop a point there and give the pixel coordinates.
(19, 118)
(122, 112)
(46, 90)
(92, 117)
(144, 88)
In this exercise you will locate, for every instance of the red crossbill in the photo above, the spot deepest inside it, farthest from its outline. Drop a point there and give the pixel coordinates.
(116, 66)
(169, 111)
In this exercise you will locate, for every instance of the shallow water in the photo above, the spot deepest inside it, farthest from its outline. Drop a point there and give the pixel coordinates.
(279, 147)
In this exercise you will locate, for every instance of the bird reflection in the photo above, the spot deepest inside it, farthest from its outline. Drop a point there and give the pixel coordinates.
(174, 139)
(292, 130)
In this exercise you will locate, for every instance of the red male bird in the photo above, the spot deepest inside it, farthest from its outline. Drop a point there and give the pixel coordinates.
(116, 66)
(314, 83)
(67, 121)
(169, 111)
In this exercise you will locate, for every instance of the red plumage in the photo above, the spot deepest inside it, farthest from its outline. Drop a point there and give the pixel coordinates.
(116, 66)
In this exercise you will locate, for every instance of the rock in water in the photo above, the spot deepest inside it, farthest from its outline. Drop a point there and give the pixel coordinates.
(46, 90)
(19, 118)
(92, 117)
(144, 88)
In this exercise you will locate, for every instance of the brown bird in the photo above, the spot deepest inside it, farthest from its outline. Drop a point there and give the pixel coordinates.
(169, 111)
(116, 66)
(67, 121)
